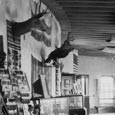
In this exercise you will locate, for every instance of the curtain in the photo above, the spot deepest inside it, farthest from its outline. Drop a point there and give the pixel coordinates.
(39, 69)
(36, 70)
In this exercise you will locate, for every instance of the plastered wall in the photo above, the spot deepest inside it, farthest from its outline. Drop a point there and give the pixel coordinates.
(95, 67)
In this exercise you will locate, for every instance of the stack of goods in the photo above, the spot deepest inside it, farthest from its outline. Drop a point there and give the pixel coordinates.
(15, 89)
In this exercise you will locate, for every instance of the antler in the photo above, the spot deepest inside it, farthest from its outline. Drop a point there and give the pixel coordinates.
(19, 28)
(70, 37)
(37, 6)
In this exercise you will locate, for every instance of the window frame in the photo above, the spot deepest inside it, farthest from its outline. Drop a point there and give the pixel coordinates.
(110, 99)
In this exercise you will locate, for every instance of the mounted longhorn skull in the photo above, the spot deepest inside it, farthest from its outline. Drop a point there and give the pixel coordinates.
(61, 52)
(20, 28)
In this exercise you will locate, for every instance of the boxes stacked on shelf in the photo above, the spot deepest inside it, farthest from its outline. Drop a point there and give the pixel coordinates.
(6, 83)
(6, 86)
(25, 97)
(15, 90)
(22, 83)
(13, 84)
(12, 108)
(19, 83)
(3, 109)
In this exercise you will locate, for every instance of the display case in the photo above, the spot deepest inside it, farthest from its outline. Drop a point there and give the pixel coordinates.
(60, 105)
(82, 84)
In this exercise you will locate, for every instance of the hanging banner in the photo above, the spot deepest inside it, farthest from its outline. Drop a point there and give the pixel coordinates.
(13, 49)
(52, 34)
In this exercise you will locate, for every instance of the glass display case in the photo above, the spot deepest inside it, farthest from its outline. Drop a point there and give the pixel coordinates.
(60, 105)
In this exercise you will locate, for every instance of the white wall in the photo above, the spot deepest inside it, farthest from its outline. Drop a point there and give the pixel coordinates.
(68, 62)
(95, 67)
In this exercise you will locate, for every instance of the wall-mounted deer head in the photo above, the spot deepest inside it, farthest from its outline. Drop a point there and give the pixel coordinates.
(20, 28)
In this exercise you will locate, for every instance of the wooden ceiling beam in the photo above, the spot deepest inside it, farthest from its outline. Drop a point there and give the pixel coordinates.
(85, 6)
(88, 10)
(85, 34)
(96, 18)
(87, 14)
(92, 31)
(91, 35)
(99, 4)
(99, 37)
(90, 22)
(94, 25)
(82, 14)
(102, 29)
(86, 1)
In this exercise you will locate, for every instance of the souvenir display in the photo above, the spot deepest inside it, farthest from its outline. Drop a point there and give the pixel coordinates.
(12, 108)
(3, 110)
(60, 105)
(47, 106)
(14, 89)
(14, 49)
(6, 85)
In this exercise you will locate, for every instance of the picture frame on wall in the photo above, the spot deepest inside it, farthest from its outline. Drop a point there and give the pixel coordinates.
(66, 83)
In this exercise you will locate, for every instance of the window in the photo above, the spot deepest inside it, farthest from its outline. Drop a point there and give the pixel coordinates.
(106, 89)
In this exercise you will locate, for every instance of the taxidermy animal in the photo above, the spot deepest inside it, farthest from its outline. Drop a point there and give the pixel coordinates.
(61, 52)
(19, 28)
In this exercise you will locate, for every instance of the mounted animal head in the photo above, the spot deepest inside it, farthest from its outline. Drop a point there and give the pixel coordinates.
(66, 44)
(37, 20)
(52, 36)
(20, 28)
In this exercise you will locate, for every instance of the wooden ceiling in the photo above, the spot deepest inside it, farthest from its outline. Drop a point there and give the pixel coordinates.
(92, 23)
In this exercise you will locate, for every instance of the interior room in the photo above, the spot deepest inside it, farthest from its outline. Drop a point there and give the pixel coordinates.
(57, 57)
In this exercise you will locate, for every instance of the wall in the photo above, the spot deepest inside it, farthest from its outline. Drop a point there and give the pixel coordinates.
(95, 67)
(68, 63)
(19, 10)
